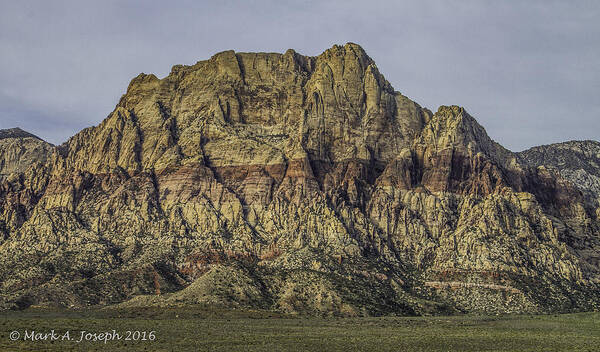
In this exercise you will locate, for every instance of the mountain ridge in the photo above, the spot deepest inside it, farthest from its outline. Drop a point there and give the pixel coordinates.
(16, 132)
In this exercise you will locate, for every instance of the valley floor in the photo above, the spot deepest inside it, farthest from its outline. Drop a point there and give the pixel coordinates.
(204, 329)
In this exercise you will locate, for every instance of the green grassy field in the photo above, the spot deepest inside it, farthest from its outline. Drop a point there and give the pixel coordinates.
(202, 329)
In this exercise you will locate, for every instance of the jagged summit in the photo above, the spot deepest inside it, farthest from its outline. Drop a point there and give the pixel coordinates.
(333, 106)
(294, 183)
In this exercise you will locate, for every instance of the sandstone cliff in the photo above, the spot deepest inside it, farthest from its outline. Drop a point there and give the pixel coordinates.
(302, 184)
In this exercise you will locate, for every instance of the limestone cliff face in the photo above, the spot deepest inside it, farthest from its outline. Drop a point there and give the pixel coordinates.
(296, 183)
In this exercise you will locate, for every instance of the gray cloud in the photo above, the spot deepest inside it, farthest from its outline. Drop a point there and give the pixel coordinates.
(529, 71)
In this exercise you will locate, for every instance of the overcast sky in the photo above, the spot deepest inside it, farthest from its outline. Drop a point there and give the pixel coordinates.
(529, 71)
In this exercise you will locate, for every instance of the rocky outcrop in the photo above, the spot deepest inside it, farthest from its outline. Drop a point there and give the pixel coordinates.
(23, 177)
(576, 161)
(302, 184)
(21, 151)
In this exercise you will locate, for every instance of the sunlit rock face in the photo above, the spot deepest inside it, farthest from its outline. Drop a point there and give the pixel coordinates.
(294, 183)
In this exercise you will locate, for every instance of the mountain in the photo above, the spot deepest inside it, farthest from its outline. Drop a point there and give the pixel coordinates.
(576, 161)
(16, 133)
(299, 184)
(23, 177)
(20, 151)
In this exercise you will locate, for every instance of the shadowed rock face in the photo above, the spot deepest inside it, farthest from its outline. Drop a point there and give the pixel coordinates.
(302, 184)
(576, 161)
(23, 177)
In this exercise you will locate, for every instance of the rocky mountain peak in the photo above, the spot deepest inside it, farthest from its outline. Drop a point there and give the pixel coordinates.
(333, 106)
(350, 54)
(576, 161)
(20, 151)
(452, 127)
(16, 133)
